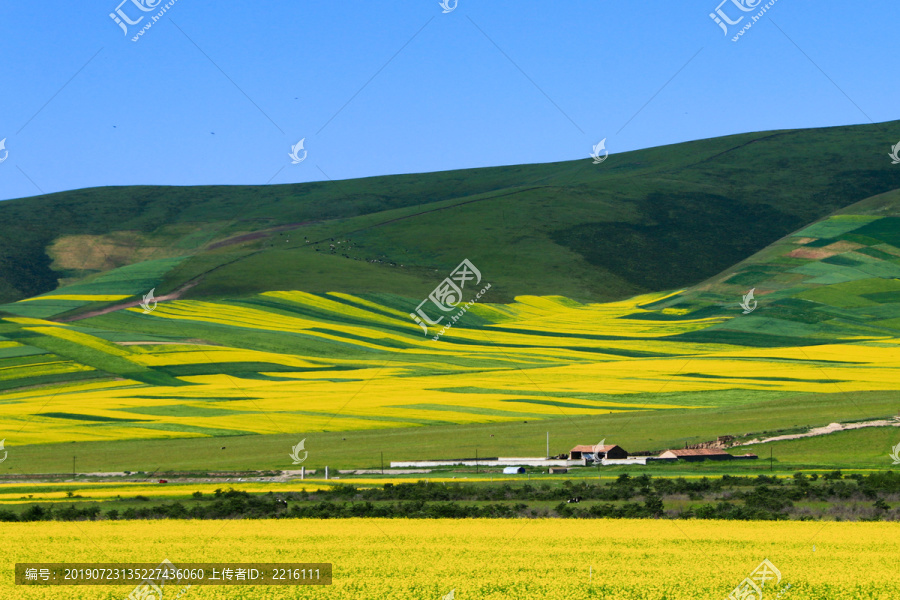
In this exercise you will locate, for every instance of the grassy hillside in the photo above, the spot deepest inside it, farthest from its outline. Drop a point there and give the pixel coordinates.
(642, 221)
(837, 276)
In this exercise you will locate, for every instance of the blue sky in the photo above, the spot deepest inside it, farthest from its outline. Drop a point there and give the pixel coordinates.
(219, 95)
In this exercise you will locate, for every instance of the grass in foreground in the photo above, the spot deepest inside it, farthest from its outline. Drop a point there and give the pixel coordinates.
(768, 415)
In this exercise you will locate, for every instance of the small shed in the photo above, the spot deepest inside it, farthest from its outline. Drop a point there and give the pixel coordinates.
(596, 453)
(694, 454)
(558, 470)
(514, 470)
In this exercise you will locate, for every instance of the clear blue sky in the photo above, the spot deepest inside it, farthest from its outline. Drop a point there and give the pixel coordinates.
(399, 87)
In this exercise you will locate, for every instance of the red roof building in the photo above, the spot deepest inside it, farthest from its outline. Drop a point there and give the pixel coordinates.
(697, 454)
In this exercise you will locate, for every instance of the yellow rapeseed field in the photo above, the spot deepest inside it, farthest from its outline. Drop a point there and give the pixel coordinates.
(78, 298)
(484, 559)
(369, 363)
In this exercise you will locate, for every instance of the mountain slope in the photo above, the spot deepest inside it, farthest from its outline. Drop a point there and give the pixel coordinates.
(642, 221)
(837, 277)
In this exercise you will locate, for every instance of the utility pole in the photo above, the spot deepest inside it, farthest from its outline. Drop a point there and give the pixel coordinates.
(382, 463)
(770, 459)
(548, 444)
(73, 466)
(476, 460)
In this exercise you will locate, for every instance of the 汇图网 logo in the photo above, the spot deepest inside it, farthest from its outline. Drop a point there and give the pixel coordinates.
(723, 20)
(895, 453)
(445, 4)
(601, 147)
(895, 153)
(295, 452)
(4, 451)
(145, 303)
(448, 295)
(295, 153)
(6, 152)
(155, 588)
(123, 20)
(752, 586)
(745, 304)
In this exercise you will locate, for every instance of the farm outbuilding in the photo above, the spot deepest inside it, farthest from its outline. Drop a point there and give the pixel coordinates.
(514, 470)
(596, 453)
(558, 470)
(694, 454)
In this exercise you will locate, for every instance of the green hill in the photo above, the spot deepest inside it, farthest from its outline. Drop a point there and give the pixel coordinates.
(653, 219)
(838, 277)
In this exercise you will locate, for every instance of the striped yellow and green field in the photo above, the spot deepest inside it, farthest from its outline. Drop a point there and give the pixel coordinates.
(294, 361)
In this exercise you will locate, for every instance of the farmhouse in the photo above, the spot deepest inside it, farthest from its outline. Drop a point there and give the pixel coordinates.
(596, 453)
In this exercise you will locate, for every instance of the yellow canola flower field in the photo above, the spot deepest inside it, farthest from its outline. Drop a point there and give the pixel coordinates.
(48, 368)
(108, 490)
(346, 363)
(482, 559)
(79, 298)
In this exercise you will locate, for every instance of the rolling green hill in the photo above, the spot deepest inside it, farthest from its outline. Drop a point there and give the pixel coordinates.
(653, 219)
(839, 276)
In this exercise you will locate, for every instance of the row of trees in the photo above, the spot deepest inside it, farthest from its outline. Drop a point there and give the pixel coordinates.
(726, 498)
